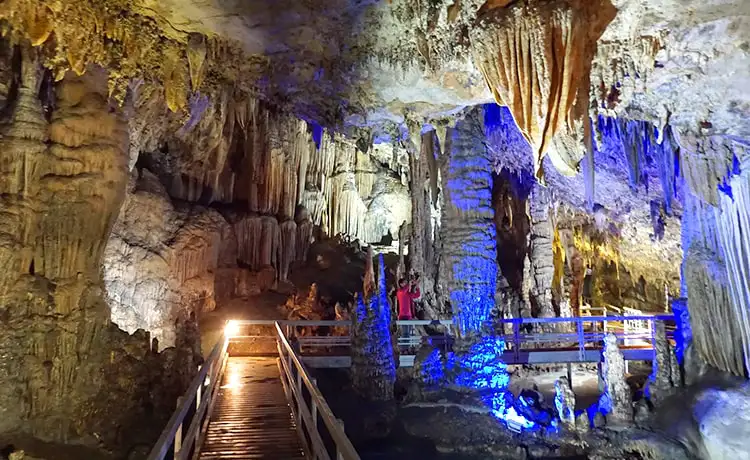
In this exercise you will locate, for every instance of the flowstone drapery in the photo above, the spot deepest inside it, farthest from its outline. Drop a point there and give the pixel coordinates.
(714, 274)
(536, 58)
(733, 216)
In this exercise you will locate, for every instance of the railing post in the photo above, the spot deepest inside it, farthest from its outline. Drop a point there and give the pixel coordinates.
(581, 340)
(314, 408)
(198, 395)
(517, 339)
(178, 433)
(339, 455)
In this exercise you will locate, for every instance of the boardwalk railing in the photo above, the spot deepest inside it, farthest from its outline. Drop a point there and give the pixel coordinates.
(526, 339)
(193, 410)
(186, 430)
(309, 406)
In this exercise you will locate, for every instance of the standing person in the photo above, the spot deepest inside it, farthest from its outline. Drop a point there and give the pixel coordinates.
(406, 294)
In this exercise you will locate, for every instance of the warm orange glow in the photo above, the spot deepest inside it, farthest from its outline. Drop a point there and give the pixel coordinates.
(232, 329)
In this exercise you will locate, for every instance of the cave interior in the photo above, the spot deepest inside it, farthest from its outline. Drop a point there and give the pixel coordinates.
(167, 166)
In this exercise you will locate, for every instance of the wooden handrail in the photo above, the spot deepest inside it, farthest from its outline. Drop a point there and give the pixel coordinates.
(172, 433)
(344, 447)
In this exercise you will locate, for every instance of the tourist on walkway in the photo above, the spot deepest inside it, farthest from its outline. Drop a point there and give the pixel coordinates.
(406, 294)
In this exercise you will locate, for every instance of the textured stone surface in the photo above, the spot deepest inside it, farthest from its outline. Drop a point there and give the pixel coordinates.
(159, 264)
(617, 399)
(68, 374)
(565, 402)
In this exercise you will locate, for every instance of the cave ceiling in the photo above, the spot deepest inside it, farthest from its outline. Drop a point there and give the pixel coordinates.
(682, 60)
(368, 62)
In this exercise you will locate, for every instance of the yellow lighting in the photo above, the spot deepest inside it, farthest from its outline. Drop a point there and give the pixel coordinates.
(232, 329)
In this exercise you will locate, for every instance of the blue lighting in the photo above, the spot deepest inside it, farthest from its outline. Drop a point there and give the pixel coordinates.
(482, 369)
(317, 133)
(684, 333)
(373, 316)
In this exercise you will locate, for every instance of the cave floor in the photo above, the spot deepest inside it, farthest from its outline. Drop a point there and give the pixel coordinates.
(34, 448)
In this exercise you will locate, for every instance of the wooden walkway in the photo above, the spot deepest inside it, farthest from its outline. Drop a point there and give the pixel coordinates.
(252, 418)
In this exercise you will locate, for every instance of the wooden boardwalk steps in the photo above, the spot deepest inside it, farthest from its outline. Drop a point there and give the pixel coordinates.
(252, 419)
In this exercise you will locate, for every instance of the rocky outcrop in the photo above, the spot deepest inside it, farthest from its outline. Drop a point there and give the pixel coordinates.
(160, 262)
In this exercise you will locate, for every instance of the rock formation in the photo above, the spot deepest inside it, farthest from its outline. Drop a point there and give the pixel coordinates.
(373, 368)
(540, 253)
(66, 175)
(565, 402)
(536, 59)
(468, 265)
(617, 400)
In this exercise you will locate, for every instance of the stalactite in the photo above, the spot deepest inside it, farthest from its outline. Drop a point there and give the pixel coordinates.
(304, 234)
(270, 242)
(536, 58)
(287, 248)
(468, 265)
(248, 231)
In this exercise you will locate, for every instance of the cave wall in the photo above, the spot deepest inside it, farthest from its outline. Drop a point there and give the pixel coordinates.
(67, 374)
(227, 204)
(714, 279)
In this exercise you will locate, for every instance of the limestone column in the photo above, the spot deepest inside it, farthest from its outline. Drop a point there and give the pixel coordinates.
(63, 183)
(541, 252)
(468, 258)
(373, 368)
(421, 250)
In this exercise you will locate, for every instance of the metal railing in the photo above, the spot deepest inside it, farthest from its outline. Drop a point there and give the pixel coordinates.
(193, 409)
(582, 333)
(309, 406)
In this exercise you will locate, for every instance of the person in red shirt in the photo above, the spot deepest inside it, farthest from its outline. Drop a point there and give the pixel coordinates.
(406, 294)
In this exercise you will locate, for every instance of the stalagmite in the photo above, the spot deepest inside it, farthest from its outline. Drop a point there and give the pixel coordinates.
(565, 402)
(373, 366)
(536, 58)
(468, 264)
(617, 401)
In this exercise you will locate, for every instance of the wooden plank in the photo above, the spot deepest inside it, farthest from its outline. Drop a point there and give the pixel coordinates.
(252, 418)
